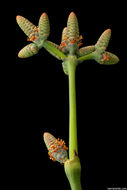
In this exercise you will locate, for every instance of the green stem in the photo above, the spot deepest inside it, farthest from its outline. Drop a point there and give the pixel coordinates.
(86, 57)
(72, 166)
(73, 172)
(51, 48)
(73, 144)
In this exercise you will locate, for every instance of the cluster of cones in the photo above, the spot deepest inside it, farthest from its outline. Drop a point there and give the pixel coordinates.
(70, 42)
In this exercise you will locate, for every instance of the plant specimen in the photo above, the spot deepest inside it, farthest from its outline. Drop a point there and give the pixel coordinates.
(71, 55)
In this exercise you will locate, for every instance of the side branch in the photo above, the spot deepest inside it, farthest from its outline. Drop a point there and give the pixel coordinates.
(53, 50)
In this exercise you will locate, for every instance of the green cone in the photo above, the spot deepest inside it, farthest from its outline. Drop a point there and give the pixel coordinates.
(27, 27)
(86, 50)
(72, 27)
(64, 34)
(104, 39)
(28, 51)
(106, 58)
(44, 26)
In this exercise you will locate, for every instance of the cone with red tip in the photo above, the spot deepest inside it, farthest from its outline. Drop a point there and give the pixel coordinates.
(44, 26)
(104, 40)
(72, 27)
(64, 35)
(27, 27)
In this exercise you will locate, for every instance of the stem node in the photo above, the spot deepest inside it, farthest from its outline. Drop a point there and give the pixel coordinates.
(73, 172)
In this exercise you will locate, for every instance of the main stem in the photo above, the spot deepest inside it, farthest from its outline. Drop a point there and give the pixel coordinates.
(73, 166)
(73, 144)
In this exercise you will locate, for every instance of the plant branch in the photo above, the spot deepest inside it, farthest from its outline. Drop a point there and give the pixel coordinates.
(86, 57)
(53, 50)
(73, 144)
(73, 166)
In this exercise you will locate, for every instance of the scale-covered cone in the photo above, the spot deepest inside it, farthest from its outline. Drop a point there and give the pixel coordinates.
(109, 58)
(64, 34)
(44, 26)
(72, 27)
(57, 148)
(86, 50)
(106, 58)
(28, 51)
(27, 27)
(49, 139)
(104, 39)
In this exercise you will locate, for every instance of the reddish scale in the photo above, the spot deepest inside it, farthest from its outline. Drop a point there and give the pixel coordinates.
(33, 37)
(36, 29)
(105, 58)
(55, 147)
(63, 44)
(74, 41)
(80, 41)
(65, 38)
(80, 44)
(51, 157)
(71, 41)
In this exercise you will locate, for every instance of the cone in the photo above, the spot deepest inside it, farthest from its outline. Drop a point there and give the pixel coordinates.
(49, 139)
(104, 39)
(72, 27)
(64, 34)
(27, 27)
(57, 148)
(86, 50)
(44, 26)
(106, 58)
(28, 51)
(109, 59)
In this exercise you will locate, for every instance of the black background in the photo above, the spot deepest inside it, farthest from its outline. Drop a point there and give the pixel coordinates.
(41, 102)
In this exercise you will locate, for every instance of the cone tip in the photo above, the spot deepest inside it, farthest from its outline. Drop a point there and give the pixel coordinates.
(109, 30)
(72, 14)
(18, 17)
(44, 14)
(45, 134)
(19, 55)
